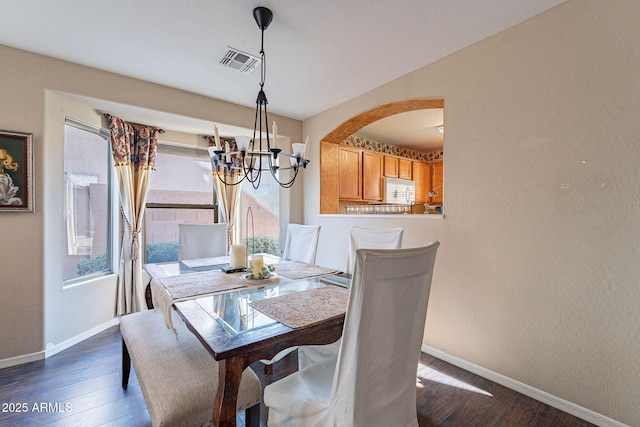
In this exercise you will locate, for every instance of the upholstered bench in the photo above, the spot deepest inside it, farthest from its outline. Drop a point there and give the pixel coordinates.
(178, 378)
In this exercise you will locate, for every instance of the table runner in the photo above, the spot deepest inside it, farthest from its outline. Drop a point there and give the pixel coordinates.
(168, 290)
(301, 270)
(306, 307)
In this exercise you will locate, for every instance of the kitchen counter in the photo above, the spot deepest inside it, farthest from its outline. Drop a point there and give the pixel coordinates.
(394, 216)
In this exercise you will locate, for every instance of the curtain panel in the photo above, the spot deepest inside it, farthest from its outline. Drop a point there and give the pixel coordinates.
(228, 196)
(134, 154)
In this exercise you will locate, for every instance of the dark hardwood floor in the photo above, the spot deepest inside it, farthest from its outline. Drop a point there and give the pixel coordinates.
(81, 387)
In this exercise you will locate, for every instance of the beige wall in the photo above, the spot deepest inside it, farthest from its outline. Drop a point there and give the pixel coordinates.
(537, 274)
(36, 311)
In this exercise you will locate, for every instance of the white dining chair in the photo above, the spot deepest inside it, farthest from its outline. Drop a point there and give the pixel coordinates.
(359, 238)
(201, 240)
(372, 381)
(365, 238)
(301, 244)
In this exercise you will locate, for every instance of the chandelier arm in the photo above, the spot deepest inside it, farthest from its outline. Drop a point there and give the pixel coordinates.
(256, 182)
(228, 183)
(283, 184)
(266, 124)
(256, 119)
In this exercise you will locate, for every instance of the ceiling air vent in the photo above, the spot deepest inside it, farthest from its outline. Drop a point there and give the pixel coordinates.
(241, 61)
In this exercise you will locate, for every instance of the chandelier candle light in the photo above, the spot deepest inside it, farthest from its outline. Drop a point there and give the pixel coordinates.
(256, 155)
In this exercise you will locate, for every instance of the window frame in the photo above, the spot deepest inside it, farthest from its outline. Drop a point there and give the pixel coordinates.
(110, 239)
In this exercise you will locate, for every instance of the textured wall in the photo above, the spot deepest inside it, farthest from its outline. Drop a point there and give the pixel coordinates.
(537, 275)
(35, 309)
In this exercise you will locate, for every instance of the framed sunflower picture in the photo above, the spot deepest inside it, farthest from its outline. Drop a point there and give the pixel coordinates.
(16, 171)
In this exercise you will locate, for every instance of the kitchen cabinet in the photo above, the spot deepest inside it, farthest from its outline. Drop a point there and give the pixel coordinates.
(372, 172)
(405, 168)
(437, 173)
(350, 174)
(428, 177)
(361, 173)
(422, 178)
(391, 166)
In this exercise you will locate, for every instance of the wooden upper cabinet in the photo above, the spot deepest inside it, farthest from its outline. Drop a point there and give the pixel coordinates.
(437, 174)
(391, 166)
(405, 169)
(422, 178)
(398, 167)
(350, 165)
(361, 174)
(373, 169)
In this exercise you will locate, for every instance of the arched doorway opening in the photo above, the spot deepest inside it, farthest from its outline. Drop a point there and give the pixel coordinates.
(330, 153)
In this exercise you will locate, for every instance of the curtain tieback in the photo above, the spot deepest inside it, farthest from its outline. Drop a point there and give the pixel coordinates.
(134, 236)
(134, 245)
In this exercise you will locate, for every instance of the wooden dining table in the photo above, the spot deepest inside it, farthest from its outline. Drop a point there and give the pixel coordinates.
(237, 331)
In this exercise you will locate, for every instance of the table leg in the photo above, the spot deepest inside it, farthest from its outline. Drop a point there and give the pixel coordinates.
(224, 407)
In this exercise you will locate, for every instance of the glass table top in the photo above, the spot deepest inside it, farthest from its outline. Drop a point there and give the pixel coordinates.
(232, 310)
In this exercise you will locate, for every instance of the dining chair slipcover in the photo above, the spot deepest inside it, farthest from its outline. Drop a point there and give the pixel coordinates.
(202, 240)
(372, 381)
(364, 238)
(301, 243)
(359, 238)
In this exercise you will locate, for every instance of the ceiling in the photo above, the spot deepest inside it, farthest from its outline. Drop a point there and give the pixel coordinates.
(319, 53)
(417, 130)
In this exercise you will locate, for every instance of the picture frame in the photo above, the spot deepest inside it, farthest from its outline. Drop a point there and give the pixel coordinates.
(16, 171)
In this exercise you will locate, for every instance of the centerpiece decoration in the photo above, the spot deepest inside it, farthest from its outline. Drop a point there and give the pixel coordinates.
(258, 270)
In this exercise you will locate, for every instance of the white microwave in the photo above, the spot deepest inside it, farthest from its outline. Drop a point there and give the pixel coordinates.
(399, 191)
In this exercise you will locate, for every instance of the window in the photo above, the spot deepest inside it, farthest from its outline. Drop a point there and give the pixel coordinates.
(265, 208)
(180, 191)
(87, 177)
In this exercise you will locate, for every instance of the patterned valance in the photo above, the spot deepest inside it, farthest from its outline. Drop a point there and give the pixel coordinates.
(133, 144)
(394, 150)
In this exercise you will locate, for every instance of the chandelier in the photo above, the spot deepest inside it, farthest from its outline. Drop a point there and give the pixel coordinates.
(252, 156)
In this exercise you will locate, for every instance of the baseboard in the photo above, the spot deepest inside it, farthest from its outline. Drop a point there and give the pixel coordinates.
(57, 348)
(542, 396)
(20, 360)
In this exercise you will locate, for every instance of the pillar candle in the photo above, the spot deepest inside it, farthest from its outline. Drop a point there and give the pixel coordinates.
(238, 256)
(257, 262)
